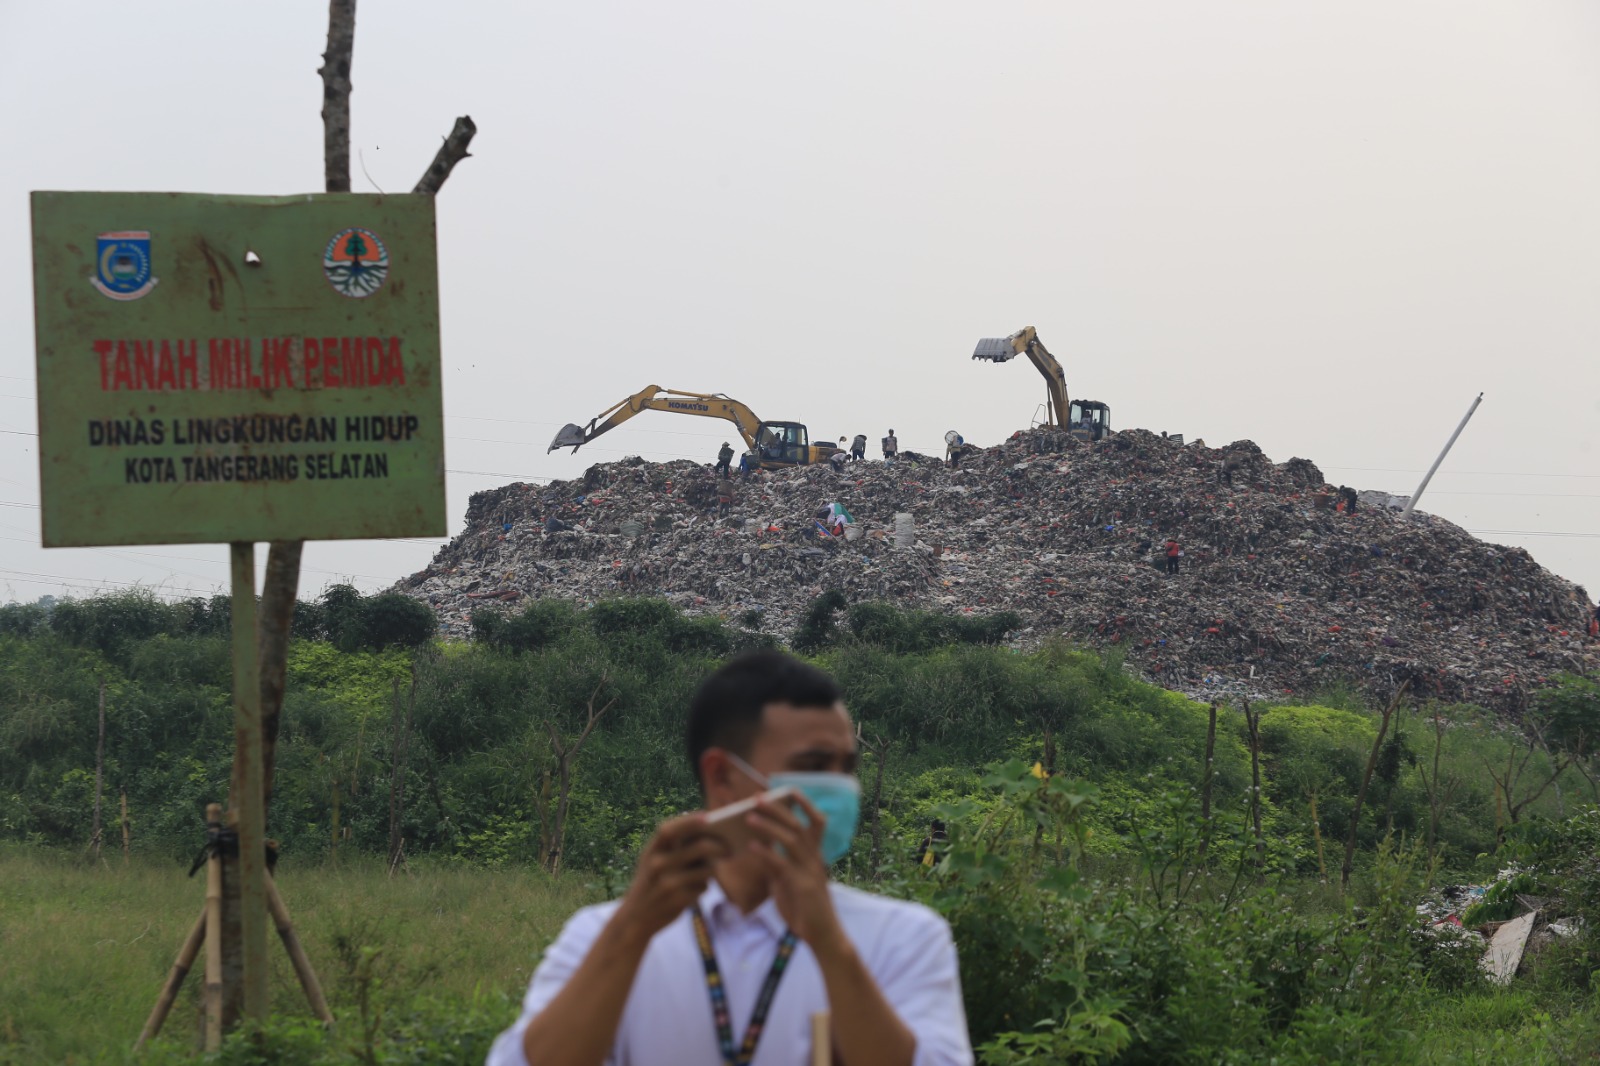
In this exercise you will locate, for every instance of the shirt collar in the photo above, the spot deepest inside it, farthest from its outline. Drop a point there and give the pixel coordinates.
(722, 911)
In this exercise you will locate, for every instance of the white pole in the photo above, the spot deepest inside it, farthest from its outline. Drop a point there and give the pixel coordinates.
(1415, 496)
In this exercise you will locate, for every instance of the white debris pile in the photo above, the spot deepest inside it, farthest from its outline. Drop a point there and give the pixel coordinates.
(1285, 583)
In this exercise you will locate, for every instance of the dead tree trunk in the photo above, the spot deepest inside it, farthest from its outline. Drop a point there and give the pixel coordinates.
(878, 747)
(336, 95)
(1433, 786)
(274, 620)
(553, 825)
(397, 770)
(1316, 835)
(282, 581)
(1252, 719)
(1205, 782)
(99, 773)
(1366, 779)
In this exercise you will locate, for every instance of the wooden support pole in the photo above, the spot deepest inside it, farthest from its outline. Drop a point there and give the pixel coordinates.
(297, 955)
(247, 799)
(213, 935)
(169, 991)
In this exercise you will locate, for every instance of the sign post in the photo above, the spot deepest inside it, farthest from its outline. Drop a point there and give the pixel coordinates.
(230, 369)
(250, 806)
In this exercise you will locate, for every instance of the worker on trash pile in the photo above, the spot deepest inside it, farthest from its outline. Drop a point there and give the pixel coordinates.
(1594, 623)
(724, 495)
(891, 446)
(954, 445)
(555, 525)
(749, 919)
(725, 460)
(834, 518)
(1174, 553)
(858, 448)
(837, 461)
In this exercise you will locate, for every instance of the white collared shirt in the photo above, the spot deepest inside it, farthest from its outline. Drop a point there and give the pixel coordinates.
(906, 948)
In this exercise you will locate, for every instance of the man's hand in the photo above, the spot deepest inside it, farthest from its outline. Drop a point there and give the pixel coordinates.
(673, 871)
(579, 1025)
(792, 855)
(866, 1030)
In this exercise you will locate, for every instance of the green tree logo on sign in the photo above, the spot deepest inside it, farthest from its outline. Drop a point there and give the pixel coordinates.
(356, 263)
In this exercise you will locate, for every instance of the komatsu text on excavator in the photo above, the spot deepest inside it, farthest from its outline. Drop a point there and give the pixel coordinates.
(1084, 419)
(772, 444)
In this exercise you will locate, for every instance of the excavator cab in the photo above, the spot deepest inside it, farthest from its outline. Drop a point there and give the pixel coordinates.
(782, 444)
(1089, 420)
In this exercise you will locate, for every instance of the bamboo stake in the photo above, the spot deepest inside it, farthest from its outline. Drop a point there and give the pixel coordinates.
(821, 1040)
(213, 935)
(169, 991)
(297, 954)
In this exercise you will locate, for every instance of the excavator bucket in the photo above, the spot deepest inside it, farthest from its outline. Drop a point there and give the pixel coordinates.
(995, 349)
(570, 437)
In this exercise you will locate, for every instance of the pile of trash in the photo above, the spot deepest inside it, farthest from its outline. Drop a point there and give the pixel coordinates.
(1499, 920)
(1285, 583)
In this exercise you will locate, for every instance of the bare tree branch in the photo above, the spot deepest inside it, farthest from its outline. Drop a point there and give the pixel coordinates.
(336, 95)
(451, 152)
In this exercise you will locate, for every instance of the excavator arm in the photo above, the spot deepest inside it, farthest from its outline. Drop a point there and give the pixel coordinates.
(1026, 342)
(655, 398)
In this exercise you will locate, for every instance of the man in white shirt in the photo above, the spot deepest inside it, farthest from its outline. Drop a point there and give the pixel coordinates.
(723, 953)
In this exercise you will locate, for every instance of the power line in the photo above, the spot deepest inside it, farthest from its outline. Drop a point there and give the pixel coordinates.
(1541, 495)
(1475, 473)
(1533, 533)
(25, 575)
(499, 473)
(540, 422)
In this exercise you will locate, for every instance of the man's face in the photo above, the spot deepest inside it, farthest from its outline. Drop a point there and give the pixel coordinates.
(790, 739)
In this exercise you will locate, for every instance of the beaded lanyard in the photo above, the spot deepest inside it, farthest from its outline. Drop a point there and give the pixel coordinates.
(719, 995)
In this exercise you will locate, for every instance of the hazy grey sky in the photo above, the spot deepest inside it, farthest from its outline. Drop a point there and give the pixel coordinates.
(1320, 226)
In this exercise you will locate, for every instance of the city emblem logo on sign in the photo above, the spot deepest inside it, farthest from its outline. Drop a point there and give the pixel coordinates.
(356, 263)
(122, 264)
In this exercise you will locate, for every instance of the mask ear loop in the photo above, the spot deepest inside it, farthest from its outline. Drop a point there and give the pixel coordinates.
(749, 771)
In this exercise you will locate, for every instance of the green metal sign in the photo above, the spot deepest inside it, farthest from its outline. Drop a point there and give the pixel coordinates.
(237, 368)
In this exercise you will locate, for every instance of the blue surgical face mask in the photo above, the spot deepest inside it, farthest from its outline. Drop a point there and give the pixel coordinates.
(837, 797)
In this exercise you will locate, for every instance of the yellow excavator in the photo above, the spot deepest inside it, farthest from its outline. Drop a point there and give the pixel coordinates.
(773, 445)
(1084, 419)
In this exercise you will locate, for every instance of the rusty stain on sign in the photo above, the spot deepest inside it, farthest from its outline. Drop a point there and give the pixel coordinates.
(183, 399)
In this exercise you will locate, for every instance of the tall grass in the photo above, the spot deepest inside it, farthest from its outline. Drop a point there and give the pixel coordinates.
(84, 949)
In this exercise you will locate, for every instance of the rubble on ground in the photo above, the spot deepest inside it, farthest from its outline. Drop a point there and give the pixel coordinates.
(1281, 589)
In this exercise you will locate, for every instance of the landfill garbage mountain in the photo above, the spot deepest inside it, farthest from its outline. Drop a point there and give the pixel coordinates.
(1285, 583)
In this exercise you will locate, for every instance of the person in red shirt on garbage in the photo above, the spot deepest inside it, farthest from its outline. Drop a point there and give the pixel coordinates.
(1174, 553)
